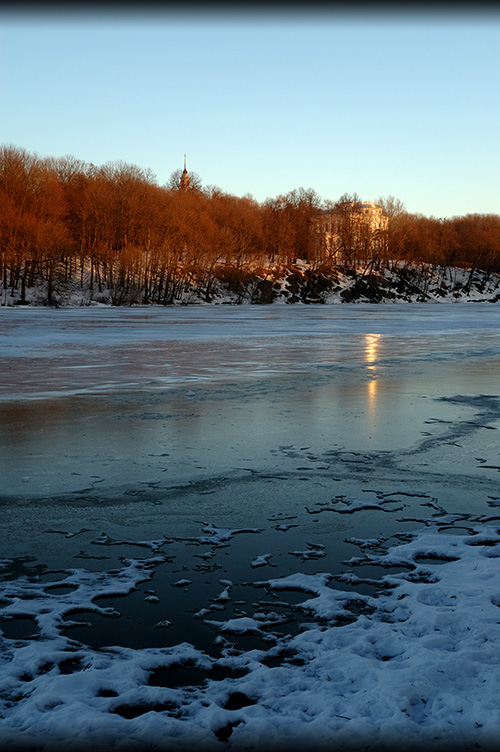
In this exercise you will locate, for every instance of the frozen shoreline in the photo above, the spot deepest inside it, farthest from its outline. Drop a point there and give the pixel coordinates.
(413, 666)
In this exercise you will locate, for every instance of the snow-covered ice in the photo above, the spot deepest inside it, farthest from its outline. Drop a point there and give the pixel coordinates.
(303, 552)
(415, 664)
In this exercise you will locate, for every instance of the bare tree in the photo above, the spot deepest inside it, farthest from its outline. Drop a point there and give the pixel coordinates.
(175, 181)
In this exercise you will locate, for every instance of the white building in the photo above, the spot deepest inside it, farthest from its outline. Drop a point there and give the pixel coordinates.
(350, 230)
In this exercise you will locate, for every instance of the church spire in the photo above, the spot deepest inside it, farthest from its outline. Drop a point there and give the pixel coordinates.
(184, 185)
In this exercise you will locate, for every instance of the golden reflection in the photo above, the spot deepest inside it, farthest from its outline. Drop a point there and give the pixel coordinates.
(371, 351)
(371, 348)
(372, 393)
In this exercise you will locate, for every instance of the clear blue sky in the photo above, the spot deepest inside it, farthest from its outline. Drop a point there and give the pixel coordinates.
(401, 104)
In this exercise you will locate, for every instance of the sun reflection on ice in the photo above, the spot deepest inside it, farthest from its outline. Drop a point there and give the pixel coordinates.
(372, 342)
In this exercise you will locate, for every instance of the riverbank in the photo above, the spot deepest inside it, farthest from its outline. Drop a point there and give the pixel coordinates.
(300, 282)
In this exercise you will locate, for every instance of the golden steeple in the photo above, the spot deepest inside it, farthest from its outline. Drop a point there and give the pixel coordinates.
(184, 185)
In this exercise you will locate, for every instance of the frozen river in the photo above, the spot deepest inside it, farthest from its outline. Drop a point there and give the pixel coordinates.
(220, 447)
(120, 398)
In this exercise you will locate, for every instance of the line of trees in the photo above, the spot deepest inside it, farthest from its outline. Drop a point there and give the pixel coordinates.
(113, 227)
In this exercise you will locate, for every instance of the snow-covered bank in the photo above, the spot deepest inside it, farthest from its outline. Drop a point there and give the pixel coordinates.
(295, 283)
